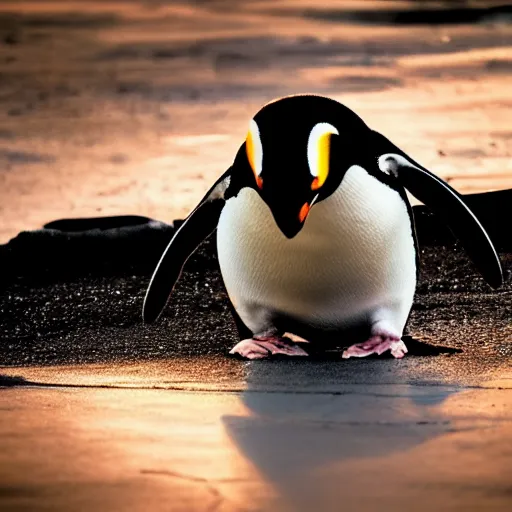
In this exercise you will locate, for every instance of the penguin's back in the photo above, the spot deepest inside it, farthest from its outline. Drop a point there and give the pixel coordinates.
(355, 253)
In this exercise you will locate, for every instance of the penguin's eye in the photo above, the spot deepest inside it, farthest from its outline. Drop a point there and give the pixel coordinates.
(319, 150)
(254, 151)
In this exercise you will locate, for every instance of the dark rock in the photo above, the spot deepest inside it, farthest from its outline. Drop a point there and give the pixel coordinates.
(72, 293)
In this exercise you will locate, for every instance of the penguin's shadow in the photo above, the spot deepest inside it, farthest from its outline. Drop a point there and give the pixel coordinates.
(415, 347)
(329, 345)
(332, 350)
(310, 422)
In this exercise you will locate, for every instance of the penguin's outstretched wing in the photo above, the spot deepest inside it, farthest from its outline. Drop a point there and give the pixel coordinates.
(197, 226)
(444, 201)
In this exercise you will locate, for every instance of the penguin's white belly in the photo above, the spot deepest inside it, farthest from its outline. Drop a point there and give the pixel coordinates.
(354, 256)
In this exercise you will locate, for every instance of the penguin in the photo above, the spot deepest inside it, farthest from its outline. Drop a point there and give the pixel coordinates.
(315, 232)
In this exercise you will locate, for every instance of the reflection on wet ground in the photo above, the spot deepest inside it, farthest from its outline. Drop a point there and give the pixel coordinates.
(223, 374)
(266, 436)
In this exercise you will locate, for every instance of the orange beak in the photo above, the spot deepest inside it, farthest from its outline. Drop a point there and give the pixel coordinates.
(304, 212)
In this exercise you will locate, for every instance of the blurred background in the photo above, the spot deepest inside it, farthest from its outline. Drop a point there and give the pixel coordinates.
(135, 107)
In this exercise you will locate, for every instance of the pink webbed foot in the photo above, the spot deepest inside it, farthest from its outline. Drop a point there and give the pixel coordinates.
(377, 344)
(261, 347)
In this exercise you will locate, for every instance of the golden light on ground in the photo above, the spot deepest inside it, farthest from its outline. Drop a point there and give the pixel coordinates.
(226, 450)
(140, 109)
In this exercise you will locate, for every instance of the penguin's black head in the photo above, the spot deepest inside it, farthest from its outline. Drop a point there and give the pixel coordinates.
(298, 149)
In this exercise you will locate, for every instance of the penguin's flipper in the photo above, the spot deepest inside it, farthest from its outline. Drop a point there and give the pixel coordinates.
(196, 227)
(444, 201)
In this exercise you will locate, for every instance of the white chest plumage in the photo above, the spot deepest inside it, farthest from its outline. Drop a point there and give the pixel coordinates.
(353, 259)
